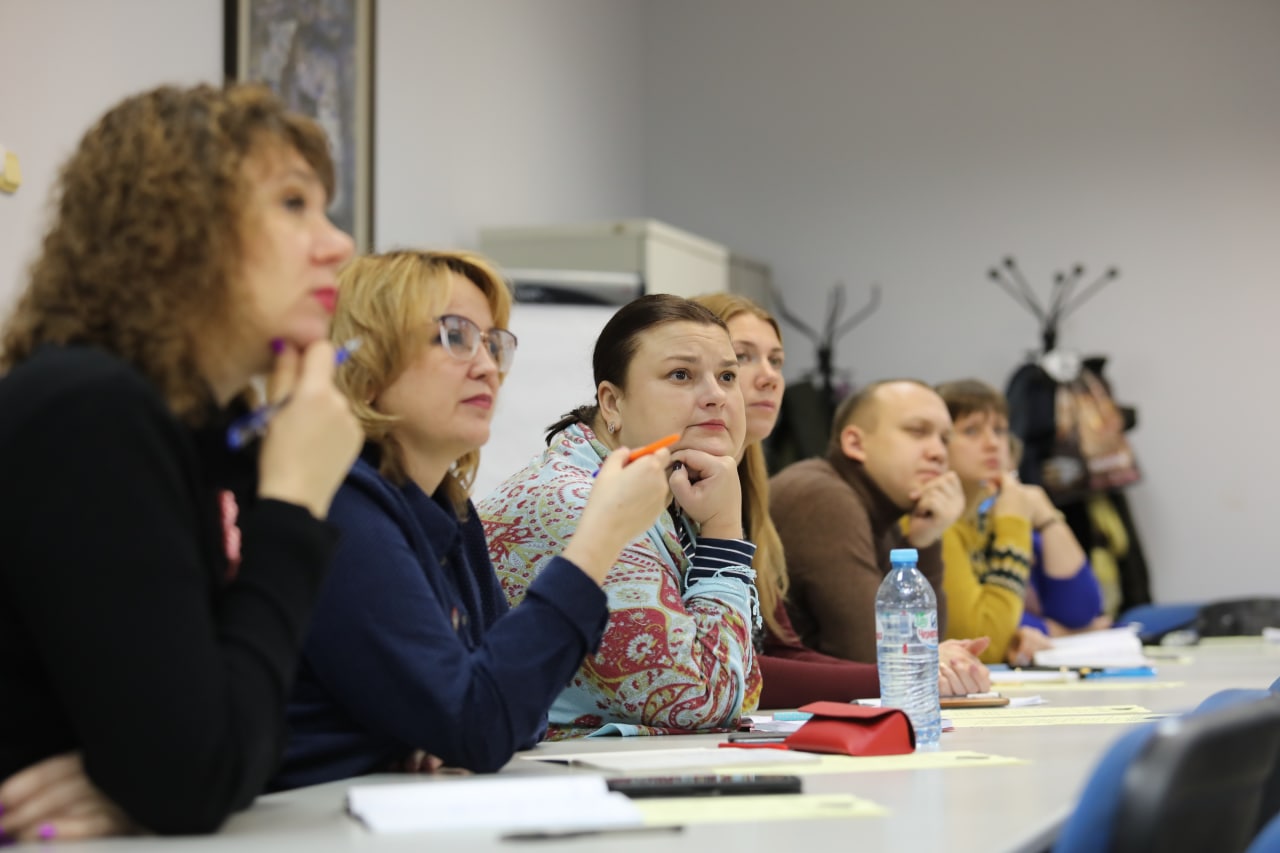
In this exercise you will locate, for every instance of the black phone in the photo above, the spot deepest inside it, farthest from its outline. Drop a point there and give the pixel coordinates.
(710, 785)
(757, 737)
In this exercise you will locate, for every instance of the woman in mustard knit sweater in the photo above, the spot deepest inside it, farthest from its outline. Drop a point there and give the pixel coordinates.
(988, 556)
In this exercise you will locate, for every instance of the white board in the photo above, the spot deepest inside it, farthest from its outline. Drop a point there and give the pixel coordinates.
(551, 375)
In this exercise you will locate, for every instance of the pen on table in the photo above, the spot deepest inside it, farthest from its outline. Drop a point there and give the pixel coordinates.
(251, 425)
(1120, 672)
(649, 448)
(560, 834)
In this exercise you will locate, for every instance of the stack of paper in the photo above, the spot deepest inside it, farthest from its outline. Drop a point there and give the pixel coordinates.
(561, 802)
(1097, 649)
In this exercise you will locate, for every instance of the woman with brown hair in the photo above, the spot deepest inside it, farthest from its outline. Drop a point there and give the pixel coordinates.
(794, 674)
(413, 657)
(156, 583)
(677, 653)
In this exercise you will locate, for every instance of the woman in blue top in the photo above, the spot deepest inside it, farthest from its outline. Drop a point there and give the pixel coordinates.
(413, 653)
(1061, 602)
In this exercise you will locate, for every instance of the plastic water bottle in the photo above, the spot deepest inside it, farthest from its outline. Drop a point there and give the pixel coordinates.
(907, 646)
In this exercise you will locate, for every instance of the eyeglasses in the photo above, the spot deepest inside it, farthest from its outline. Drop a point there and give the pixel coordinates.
(461, 339)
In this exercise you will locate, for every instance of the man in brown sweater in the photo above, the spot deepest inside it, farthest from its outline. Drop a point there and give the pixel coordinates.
(839, 516)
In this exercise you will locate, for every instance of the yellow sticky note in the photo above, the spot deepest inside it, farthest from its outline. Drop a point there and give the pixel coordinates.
(10, 172)
(1050, 715)
(875, 763)
(1095, 684)
(690, 810)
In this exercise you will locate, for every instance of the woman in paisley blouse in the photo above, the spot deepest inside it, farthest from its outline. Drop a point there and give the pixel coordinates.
(677, 655)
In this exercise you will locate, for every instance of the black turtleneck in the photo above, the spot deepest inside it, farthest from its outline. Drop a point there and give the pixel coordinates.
(125, 637)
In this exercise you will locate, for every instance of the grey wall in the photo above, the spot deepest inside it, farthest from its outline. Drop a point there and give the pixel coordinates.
(505, 112)
(62, 63)
(914, 143)
(907, 142)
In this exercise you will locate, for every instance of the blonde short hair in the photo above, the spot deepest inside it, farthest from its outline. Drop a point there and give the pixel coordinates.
(389, 301)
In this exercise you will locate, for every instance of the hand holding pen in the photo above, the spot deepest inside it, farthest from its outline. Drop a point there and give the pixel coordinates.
(625, 500)
(247, 427)
(314, 437)
(665, 441)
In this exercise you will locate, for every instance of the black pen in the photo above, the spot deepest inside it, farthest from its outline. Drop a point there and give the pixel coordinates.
(561, 834)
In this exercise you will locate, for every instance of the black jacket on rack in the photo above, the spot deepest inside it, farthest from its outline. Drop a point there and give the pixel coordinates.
(1031, 393)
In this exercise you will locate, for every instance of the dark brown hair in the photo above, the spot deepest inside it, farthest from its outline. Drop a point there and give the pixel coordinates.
(967, 396)
(144, 249)
(620, 339)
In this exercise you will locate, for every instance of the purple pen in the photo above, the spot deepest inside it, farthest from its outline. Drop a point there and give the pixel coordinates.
(247, 427)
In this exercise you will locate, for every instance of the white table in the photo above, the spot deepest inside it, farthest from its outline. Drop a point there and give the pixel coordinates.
(1010, 807)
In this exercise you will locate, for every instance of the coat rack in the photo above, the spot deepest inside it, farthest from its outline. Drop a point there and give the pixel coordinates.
(1064, 300)
(825, 343)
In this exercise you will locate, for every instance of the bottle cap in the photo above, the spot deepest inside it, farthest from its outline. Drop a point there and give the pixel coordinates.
(903, 557)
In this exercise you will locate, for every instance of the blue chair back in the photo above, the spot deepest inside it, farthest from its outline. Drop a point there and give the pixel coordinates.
(1091, 826)
(1199, 781)
(1191, 783)
(1268, 841)
(1269, 805)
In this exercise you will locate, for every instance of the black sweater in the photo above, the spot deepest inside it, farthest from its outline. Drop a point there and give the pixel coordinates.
(122, 636)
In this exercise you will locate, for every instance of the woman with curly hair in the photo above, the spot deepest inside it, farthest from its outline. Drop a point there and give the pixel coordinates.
(156, 583)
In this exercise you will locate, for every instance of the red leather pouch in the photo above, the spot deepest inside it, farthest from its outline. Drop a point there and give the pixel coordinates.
(845, 729)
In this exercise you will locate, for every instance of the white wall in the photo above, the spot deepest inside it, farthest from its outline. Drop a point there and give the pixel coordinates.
(505, 112)
(907, 142)
(488, 112)
(914, 143)
(62, 63)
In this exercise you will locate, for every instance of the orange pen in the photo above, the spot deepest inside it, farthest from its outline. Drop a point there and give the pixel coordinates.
(649, 448)
(653, 448)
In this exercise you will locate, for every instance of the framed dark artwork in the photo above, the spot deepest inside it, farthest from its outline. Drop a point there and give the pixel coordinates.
(318, 56)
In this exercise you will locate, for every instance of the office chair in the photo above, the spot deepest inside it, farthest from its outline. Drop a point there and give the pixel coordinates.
(1199, 782)
(1091, 826)
(1267, 841)
(1269, 803)
(1188, 783)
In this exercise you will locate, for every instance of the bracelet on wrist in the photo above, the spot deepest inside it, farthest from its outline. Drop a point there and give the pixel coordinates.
(1051, 520)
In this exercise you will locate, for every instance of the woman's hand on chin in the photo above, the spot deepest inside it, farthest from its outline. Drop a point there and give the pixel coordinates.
(707, 489)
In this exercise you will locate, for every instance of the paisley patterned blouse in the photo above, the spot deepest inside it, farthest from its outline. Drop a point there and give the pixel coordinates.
(677, 654)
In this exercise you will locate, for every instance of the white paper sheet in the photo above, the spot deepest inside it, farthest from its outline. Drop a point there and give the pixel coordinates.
(560, 802)
(1115, 647)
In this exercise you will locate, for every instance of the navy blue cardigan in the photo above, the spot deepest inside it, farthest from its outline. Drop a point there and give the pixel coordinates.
(413, 647)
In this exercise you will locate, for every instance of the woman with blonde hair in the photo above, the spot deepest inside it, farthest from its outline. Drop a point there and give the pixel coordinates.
(794, 674)
(156, 581)
(414, 658)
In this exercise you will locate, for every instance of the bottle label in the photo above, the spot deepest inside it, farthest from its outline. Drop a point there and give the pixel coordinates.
(908, 626)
